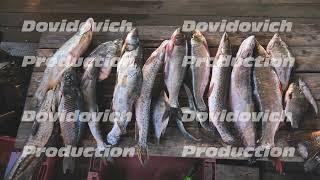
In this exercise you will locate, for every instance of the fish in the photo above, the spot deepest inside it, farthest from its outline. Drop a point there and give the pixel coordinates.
(199, 73)
(268, 95)
(45, 135)
(128, 85)
(160, 115)
(298, 97)
(174, 73)
(105, 53)
(66, 56)
(71, 127)
(279, 52)
(143, 105)
(308, 146)
(241, 94)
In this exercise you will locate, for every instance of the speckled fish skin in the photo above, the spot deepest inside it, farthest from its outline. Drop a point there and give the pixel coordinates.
(160, 115)
(296, 103)
(174, 70)
(241, 95)
(268, 94)
(65, 56)
(143, 105)
(278, 50)
(200, 71)
(45, 135)
(218, 90)
(70, 126)
(104, 53)
(128, 86)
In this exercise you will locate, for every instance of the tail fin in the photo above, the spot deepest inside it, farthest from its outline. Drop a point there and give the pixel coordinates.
(177, 114)
(143, 155)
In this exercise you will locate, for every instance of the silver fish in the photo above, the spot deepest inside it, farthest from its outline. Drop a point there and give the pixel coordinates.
(128, 85)
(105, 53)
(279, 52)
(241, 95)
(297, 100)
(160, 115)
(142, 108)
(219, 88)
(66, 56)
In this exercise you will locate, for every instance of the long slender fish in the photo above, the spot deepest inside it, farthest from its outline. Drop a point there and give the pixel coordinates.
(268, 94)
(160, 115)
(66, 56)
(128, 86)
(218, 90)
(70, 126)
(200, 74)
(174, 72)
(46, 135)
(281, 59)
(298, 97)
(105, 53)
(241, 95)
(149, 71)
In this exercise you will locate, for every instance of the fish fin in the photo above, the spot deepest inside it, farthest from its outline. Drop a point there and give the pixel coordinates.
(143, 154)
(69, 165)
(307, 93)
(177, 114)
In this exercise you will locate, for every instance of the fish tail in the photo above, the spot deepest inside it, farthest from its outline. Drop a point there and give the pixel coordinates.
(143, 155)
(157, 139)
(177, 115)
(312, 164)
(208, 127)
(22, 165)
(69, 164)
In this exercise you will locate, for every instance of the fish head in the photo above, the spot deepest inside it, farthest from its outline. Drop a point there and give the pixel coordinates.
(86, 32)
(247, 47)
(292, 92)
(69, 82)
(132, 41)
(275, 44)
(198, 38)
(178, 37)
(224, 46)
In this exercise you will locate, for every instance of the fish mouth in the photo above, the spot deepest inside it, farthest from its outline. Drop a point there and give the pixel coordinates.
(132, 40)
(88, 26)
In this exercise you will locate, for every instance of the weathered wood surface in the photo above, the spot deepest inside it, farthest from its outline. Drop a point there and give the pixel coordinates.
(234, 172)
(307, 67)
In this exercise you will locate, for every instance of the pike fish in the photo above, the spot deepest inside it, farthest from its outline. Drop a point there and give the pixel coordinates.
(174, 73)
(66, 56)
(308, 146)
(45, 135)
(241, 95)
(105, 53)
(268, 94)
(279, 52)
(142, 108)
(218, 90)
(160, 115)
(297, 100)
(128, 85)
(70, 126)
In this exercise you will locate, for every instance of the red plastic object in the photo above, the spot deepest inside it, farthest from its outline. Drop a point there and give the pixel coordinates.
(46, 170)
(96, 169)
(6, 147)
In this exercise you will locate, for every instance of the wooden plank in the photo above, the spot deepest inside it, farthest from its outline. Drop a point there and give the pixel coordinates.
(288, 176)
(232, 172)
(214, 8)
